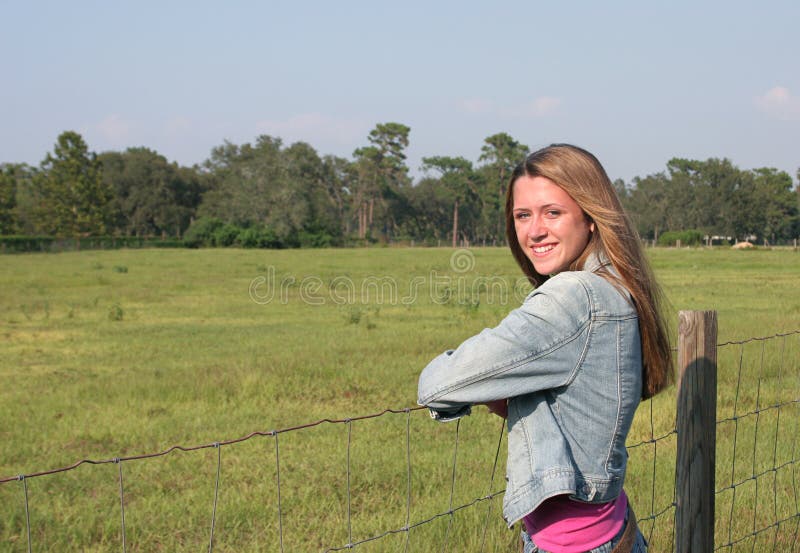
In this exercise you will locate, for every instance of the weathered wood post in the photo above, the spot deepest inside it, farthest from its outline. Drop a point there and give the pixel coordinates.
(696, 426)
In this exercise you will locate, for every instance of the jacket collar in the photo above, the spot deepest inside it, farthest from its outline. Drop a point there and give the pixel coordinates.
(597, 261)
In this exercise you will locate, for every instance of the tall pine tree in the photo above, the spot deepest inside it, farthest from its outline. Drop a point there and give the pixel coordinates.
(72, 198)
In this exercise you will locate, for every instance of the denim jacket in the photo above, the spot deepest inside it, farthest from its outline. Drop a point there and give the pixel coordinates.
(569, 361)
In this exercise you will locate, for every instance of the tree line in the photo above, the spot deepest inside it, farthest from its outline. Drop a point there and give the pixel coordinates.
(268, 194)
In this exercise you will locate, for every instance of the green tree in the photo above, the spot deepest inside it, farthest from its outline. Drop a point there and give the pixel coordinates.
(339, 176)
(391, 140)
(152, 196)
(501, 154)
(318, 183)
(381, 174)
(776, 202)
(248, 185)
(457, 176)
(713, 195)
(647, 201)
(367, 187)
(72, 197)
(8, 199)
(25, 212)
(289, 193)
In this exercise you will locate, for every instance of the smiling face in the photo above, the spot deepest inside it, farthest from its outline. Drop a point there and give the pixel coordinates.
(551, 227)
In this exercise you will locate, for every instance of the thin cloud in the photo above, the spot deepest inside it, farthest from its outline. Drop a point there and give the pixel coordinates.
(176, 126)
(476, 105)
(779, 103)
(542, 106)
(113, 129)
(315, 128)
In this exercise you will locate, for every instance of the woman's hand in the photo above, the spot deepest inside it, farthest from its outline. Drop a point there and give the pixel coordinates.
(499, 407)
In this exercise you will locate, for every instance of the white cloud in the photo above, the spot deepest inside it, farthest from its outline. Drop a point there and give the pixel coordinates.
(316, 129)
(476, 105)
(114, 129)
(778, 102)
(543, 106)
(177, 126)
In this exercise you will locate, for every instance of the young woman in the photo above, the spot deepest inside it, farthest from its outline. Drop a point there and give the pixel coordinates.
(568, 368)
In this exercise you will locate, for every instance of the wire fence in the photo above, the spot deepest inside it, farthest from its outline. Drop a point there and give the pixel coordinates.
(447, 482)
(758, 427)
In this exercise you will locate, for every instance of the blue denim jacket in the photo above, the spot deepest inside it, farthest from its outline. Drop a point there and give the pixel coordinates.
(569, 361)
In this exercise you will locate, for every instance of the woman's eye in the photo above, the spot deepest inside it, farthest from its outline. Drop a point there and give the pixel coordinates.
(553, 213)
(522, 215)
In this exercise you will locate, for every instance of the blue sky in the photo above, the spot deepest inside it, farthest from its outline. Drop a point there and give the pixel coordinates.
(635, 82)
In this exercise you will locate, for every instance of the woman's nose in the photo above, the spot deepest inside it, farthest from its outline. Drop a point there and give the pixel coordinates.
(537, 230)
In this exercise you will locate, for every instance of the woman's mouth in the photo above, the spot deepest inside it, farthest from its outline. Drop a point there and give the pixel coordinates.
(543, 249)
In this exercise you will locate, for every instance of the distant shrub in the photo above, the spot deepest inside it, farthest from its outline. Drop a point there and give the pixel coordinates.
(226, 235)
(686, 237)
(120, 269)
(315, 239)
(166, 244)
(19, 244)
(259, 237)
(201, 232)
(23, 244)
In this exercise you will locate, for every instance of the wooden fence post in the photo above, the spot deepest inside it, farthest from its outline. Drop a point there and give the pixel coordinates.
(696, 426)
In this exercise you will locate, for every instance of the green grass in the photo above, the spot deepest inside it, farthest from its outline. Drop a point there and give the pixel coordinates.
(111, 354)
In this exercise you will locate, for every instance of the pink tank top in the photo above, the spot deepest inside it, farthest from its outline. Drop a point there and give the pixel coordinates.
(563, 525)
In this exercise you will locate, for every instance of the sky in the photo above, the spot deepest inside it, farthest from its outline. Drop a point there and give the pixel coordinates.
(635, 82)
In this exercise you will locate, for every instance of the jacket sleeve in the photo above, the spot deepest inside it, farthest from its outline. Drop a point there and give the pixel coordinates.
(537, 346)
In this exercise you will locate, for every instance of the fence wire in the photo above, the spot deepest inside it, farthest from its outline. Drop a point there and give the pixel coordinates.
(758, 505)
(756, 491)
(352, 541)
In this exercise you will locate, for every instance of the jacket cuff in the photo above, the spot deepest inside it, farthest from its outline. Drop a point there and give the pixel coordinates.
(448, 415)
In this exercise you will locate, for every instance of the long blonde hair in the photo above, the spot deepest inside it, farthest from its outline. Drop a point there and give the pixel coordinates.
(580, 174)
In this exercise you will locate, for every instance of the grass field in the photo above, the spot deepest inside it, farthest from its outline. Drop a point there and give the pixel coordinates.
(119, 353)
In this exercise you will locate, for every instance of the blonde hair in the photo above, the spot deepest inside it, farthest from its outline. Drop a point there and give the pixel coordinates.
(580, 174)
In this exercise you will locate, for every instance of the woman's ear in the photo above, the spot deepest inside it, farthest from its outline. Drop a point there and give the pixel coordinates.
(591, 226)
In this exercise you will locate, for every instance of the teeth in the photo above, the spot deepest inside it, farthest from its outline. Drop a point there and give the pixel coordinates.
(543, 249)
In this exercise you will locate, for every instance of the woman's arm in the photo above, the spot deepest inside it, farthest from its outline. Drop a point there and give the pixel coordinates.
(537, 346)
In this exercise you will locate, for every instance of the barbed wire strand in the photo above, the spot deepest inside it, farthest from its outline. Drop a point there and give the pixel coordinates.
(759, 339)
(216, 495)
(122, 507)
(491, 483)
(174, 448)
(452, 487)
